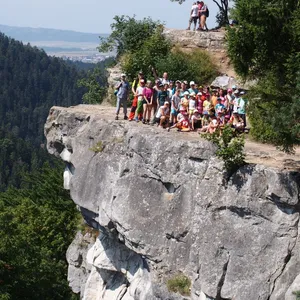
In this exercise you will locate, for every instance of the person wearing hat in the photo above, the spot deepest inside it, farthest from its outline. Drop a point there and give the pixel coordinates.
(178, 85)
(219, 108)
(192, 88)
(185, 101)
(229, 99)
(240, 106)
(162, 95)
(236, 122)
(183, 123)
(195, 118)
(122, 96)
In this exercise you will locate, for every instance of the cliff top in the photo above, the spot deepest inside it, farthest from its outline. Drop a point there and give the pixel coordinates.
(256, 153)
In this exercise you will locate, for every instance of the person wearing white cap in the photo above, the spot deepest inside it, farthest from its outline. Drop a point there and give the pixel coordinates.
(240, 106)
(193, 88)
(123, 89)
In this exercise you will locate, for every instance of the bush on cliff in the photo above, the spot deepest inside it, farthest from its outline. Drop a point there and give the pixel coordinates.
(141, 45)
(180, 284)
(230, 148)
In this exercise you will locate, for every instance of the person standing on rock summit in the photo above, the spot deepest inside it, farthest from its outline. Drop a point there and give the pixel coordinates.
(194, 16)
(122, 96)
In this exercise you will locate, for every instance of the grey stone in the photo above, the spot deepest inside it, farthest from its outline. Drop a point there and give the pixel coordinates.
(163, 207)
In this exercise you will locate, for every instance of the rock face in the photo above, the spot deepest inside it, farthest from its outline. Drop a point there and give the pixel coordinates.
(211, 40)
(163, 208)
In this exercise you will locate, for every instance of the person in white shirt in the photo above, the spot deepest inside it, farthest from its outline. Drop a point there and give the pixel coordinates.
(194, 16)
(192, 104)
(163, 115)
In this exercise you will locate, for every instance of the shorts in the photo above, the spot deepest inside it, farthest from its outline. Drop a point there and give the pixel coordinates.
(194, 20)
(144, 101)
(191, 111)
(174, 112)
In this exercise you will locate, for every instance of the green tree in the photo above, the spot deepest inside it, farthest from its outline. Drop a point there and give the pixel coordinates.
(96, 85)
(265, 46)
(128, 34)
(37, 224)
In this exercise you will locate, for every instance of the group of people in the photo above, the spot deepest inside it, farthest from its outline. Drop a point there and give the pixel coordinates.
(181, 105)
(199, 13)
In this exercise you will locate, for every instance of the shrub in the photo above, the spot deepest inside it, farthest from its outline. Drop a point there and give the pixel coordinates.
(230, 148)
(180, 284)
(180, 65)
(99, 147)
(297, 294)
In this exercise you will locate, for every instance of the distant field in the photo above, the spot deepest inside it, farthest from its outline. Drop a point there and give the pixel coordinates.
(64, 45)
(61, 43)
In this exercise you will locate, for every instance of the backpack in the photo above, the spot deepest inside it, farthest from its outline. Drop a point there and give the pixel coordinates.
(207, 12)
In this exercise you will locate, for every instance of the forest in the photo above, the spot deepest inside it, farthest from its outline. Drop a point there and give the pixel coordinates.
(38, 219)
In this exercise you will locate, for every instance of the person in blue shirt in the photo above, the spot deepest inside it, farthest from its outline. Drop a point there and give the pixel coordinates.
(192, 88)
(122, 96)
(219, 108)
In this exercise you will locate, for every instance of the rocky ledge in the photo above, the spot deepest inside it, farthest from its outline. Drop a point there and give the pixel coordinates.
(162, 208)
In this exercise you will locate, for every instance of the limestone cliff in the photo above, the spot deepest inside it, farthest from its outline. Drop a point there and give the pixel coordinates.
(162, 207)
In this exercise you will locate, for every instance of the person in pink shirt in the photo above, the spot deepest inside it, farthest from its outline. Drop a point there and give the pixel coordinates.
(147, 102)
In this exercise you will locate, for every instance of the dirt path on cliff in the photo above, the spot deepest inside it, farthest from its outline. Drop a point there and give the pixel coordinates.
(256, 153)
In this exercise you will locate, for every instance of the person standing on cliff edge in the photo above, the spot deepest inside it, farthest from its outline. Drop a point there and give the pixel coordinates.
(122, 96)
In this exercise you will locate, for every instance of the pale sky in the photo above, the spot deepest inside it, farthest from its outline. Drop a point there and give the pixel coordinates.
(94, 16)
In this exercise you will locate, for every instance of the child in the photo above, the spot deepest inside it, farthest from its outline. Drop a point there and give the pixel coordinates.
(175, 102)
(192, 104)
(196, 117)
(183, 125)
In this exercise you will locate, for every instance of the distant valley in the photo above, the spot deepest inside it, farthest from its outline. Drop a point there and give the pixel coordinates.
(67, 44)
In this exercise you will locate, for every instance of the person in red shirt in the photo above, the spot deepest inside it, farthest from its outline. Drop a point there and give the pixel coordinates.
(183, 124)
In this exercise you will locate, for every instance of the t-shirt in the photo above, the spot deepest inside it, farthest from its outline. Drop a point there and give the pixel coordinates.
(240, 106)
(123, 90)
(193, 91)
(162, 97)
(185, 123)
(166, 111)
(175, 102)
(219, 108)
(206, 106)
(195, 10)
(192, 104)
(148, 93)
(140, 91)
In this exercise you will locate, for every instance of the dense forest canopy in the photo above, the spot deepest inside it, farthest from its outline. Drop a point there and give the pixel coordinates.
(32, 82)
(38, 219)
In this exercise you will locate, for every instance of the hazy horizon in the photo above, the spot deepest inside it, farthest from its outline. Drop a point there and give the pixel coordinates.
(92, 16)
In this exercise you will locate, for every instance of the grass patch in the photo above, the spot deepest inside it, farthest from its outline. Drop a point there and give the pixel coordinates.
(180, 284)
(99, 147)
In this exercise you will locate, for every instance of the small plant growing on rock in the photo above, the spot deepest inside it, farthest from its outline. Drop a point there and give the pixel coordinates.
(297, 294)
(230, 148)
(98, 147)
(180, 284)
